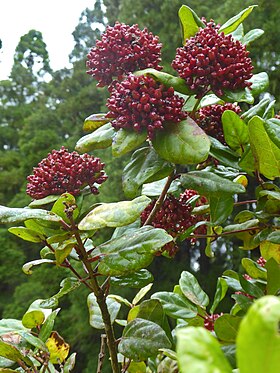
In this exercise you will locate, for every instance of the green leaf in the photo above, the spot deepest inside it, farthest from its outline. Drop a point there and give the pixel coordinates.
(66, 286)
(142, 339)
(243, 95)
(27, 266)
(179, 84)
(12, 353)
(266, 153)
(15, 215)
(258, 109)
(260, 354)
(43, 201)
(243, 301)
(270, 250)
(66, 199)
(274, 237)
(132, 251)
(250, 288)
(100, 139)
(247, 236)
(260, 83)
(64, 249)
(69, 363)
(151, 310)
(114, 214)
(26, 234)
(10, 325)
(238, 33)
(207, 183)
(235, 130)
(199, 351)
(221, 290)
(137, 279)
(234, 22)
(226, 327)
(272, 127)
(95, 121)
(175, 305)
(189, 27)
(95, 315)
(145, 166)
(192, 290)
(221, 206)
(155, 188)
(35, 315)
(126, 140)
(251, 36)
(253, 269)
(32, 340)
(141, 293)
(223, 153)
(182, 143)
(47, 327)
(273, 277)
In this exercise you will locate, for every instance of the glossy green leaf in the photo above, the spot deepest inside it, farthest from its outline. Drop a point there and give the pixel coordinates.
(260, 83)
(12, 353)
(43, 201)
(100, 139)
(253, 269)
(270, 250)
(221, 290)
(137, 279)
(132, 251)
(66, 286)
(192, 290)
(167, 80)
(189, 26)
(114, 214)
(27, 266)
(266, 153)
(69, 363)
(235, 130)
(141, 293)
(273, 277)
(35, 315)
(274, 237)
(182, 143)
(15, 215)
(47, 327)
(272, 127)
(176, 305)
(125, 141)
(95, 315)
(251, 288)
(199, 351)
(248, 235)
(251, 36)
(260, 354)
(63, 250)
(226, 327)
(32, 340)
(95, 121)
(258, 109)
(26, 234)
(243, 95)
(223, 154)
(155, 188)
(221, 206)
(234, 22)
(210, 99)
(64, 201)
(151, 310)
(243, 301)
(145, 166)
(142, 339)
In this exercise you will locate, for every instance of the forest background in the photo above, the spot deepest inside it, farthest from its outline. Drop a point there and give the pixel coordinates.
(43, 109)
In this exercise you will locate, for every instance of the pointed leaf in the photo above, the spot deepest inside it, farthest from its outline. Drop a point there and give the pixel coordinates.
(47, 327)
(199, 351)
(141, 293)
(15, 215)
(192, 290)
(251, 36)
(258, 109)
(221, 290)
(260, 354)
(12, 353)
(234, 22)
(182, 143)
(26, 234)
(100, 139)
(125, 141)
(142, 339)
(235, 130)
(95, 315)
(189, 27)
(95, 121)
(66, 286)
(27, 266)
(43, 201)
(114, 214)
(137, 279)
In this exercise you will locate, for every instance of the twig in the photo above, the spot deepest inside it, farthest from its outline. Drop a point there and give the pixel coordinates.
(245, 202)
(101, 354)
(126, 366)
(223, 233)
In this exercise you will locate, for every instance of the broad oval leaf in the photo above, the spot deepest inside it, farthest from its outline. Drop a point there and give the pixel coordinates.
(95, 121)
(189, 26)
(242, 95)
(95, 315)
(125, 141)
(253, 269)
(251, 36)
(226, 327)
(260, 83)
(100, 139)
(260, 354)
(175, 305)
(192, 290)
(272, 127)
(15, 215)
(137, 279)
(182, 143)
(35, 315)
(235, 21)
(142, 339)
(26, 234)
(199, 351)
(223, 154)
(235, 130)
(114, 214)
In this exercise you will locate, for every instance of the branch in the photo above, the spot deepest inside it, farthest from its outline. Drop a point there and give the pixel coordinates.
(101, 354)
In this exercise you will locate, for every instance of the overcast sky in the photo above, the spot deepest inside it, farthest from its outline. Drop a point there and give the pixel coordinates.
(56, 19)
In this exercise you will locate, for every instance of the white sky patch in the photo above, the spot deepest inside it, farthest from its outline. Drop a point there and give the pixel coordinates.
(56, 19)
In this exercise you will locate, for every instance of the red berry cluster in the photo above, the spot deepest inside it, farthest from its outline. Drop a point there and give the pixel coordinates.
(209, 118)
(277, 116)
(123, 49)
(64, 172)
(213, 61)
(261, 261)
(209, 321)
(140, 103)
(245, 294)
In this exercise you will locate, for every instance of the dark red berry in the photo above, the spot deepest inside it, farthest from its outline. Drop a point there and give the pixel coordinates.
(209, 321)
(261, 261)
(64, 172)
(121, 50)
(212, 61)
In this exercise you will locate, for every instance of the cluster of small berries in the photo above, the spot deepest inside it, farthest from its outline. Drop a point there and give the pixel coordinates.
(209, 118)
(209, 321)
(212, 61)
(140, 103)
(121, 50)
(64, 172)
